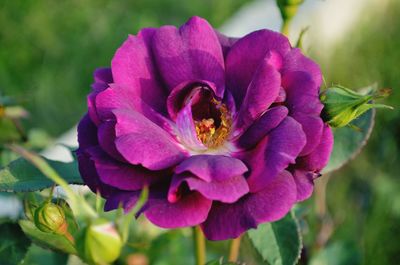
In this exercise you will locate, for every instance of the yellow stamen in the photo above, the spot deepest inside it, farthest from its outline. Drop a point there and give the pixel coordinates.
(206, 129)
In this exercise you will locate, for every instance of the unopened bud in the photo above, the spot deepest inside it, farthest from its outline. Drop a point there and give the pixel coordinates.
(288, 8)
(50, 217)
(343, 105)
(99, 243)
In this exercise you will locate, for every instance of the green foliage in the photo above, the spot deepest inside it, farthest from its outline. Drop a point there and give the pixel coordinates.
(13, 244)
(47, 240)
(349, 141)
(21, 176)
(40, 256)
(172, 247)
(337, 253)
(48, 65)
(277, 243)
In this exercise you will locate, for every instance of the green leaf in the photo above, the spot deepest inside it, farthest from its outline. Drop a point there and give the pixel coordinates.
(348, 141)
(22, 176)
(47, 240)
(40, 256)
(13, 244)
(277, 243)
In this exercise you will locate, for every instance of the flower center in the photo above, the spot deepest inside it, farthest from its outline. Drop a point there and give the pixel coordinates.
(213, 131)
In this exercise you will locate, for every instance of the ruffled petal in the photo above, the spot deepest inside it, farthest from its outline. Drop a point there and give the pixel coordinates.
(261, 93)
(302, 94)
(106, 138)
(119, 97)
(302, 100)
(186, 129)
(312, 126)
(304, 182)
(133, 67)
(296, 61)
(246, 55)
(274, 154)
(190, 210)
(212, 167)
(87, 133)
(121, 175)
(191, 52)
(260, 128)
(187, 91)
(308, 167)
(126, 199)
(103, 75)
(90, 177)
(319, 158)
(142, 142)
(227, 221)
(227, 190)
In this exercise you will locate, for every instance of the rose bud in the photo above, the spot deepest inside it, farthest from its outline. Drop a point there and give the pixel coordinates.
(50, 217)
(288, 8)
(343, 105)
(99, 243)
(69, 215)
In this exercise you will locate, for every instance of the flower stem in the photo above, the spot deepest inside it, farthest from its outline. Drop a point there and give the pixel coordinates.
(199, 246)
(234, 249)
(285, 27)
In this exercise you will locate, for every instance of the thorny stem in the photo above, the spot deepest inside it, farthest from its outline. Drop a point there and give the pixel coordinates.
(234, 249)
(199, 246)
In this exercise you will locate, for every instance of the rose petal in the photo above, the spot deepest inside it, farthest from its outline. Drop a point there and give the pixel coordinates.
(126, 199)
(245, 57)
(87, 133)
(191, 52)
(121, 175)
(142, 142)
(106, 138)
(227, 190)
(261, 93)
(90, 176)
(186, 129)
(103, 75)
(304, 182)
(182, 93)
(133, 68)
(296, 61)
(312, 127)
(227, 221)
(302, 94)
(190, 210)
(260, 128)
(319, 158)
(212, 167)
(274, 154)
(119, 97)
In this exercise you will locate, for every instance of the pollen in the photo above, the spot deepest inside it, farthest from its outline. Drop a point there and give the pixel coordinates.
(212, 134)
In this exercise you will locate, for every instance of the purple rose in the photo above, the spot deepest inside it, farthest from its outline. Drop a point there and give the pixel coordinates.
(226, 133)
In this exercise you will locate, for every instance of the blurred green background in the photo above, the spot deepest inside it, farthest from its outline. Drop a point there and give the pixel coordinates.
(48, 50)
